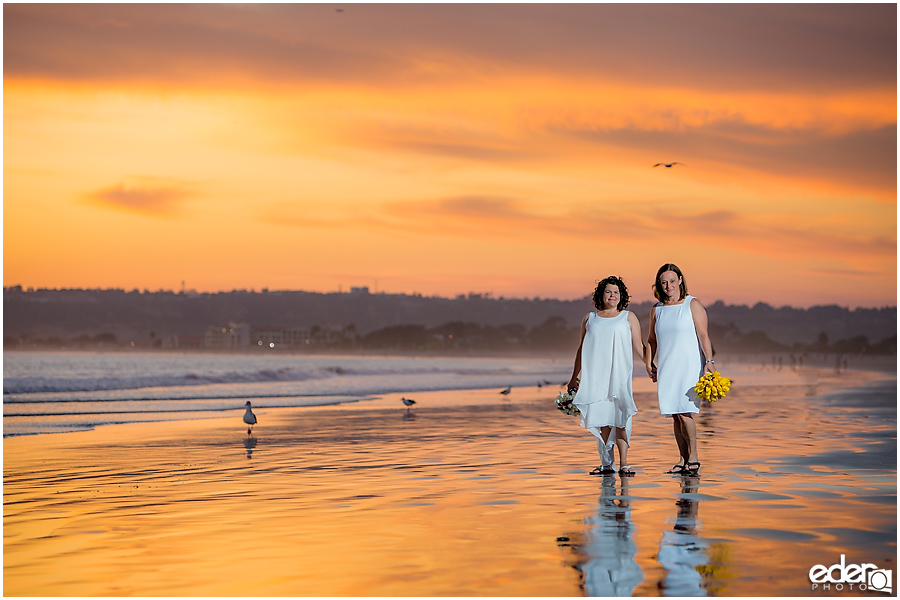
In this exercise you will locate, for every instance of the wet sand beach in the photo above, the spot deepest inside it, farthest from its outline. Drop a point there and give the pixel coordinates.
(467, 494)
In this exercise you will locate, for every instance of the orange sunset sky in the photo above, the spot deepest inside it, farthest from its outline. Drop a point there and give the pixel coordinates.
(443, 149)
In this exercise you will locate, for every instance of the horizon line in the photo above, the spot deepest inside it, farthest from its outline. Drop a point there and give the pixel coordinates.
(466, 296)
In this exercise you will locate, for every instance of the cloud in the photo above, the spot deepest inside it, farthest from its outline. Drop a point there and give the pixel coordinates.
(477, 217)
(498, 128)
(480, 207)
(179, 45)
(701, 46)
(801, 91)
(848, 272)
(142, 195)
(865, 158)
(772, 235)
(848, 138)
(475, 152)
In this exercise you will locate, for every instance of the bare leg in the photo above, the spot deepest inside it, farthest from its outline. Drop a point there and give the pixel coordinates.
(622, 445)
(683, 449)
(689, 431)
(606, 457)
(604, 431)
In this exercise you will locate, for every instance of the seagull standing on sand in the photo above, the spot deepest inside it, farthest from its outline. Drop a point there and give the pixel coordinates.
(408, 403)
(667, 165)
(249, 418)
(507, 390)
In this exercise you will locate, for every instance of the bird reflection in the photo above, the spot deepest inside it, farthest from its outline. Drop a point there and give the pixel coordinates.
(682, 551)
(250, 444)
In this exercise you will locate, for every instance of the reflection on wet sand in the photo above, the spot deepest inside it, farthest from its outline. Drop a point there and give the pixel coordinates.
(682, 550)
(607, 554)
(462, 500)
(611, 569)
(604, 554)
(250, 444)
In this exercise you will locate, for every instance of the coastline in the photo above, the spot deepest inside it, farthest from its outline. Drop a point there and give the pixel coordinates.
(856, 362)
(153, 388)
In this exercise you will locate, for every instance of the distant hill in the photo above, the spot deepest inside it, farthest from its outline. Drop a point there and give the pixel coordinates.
(66, 314)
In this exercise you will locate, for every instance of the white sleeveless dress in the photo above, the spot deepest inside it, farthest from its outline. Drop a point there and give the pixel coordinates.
(604, 395)
(679, 360)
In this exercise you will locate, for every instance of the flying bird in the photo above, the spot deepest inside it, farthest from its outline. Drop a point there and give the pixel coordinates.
(668, 165)
(507, 390)
(407, 402)
(249, 418)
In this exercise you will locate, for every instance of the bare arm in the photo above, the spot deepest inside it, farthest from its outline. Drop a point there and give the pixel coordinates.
(573, 383)
(701, 324)
(637, 340)
(650, 354)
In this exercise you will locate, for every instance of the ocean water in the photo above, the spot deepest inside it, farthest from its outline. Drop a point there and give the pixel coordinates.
(48, 392)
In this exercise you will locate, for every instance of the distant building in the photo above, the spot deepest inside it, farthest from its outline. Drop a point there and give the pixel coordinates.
(291, 337)
(359, 291)
(235, 335)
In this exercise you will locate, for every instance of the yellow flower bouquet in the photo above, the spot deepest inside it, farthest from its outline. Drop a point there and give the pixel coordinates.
(712, 386)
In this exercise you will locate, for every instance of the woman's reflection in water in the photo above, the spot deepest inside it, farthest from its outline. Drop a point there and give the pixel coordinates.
(610, 568)
(682, 552)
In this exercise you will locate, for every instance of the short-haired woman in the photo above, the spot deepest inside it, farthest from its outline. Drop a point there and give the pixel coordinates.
(679, 344)
(604, 359)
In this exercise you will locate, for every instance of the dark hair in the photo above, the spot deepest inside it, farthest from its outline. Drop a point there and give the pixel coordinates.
(623, 292)
(657, 288)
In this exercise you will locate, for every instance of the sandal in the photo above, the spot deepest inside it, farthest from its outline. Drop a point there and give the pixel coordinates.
(602, 471)
(692, 470)
(676, 470)
(626, 471)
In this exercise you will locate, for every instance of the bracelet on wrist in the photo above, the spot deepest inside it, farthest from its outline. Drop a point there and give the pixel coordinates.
(711, 361)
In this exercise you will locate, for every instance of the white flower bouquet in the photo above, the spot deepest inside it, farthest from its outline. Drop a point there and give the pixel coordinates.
(564, 403)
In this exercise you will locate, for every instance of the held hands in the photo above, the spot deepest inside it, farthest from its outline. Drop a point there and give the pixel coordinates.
(707, 368)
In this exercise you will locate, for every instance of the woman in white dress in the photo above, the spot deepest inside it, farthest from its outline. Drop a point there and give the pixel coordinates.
(604, 360)
(679, 345)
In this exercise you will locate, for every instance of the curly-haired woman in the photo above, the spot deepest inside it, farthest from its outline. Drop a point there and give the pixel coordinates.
(604, 359)
(680, 344)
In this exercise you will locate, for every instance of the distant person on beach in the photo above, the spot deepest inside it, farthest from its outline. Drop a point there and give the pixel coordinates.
(679, 345)
(604, 360)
